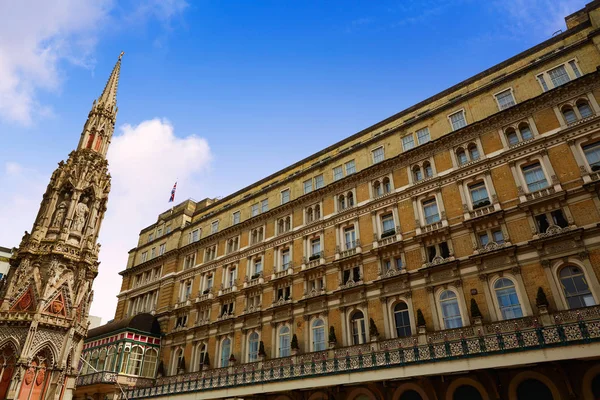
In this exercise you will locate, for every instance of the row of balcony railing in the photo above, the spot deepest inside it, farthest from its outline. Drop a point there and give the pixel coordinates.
(572, 327)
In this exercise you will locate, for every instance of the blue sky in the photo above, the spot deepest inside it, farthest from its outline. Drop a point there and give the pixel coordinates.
(219, 94)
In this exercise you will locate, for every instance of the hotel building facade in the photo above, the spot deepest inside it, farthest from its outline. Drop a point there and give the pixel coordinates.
(451, 251)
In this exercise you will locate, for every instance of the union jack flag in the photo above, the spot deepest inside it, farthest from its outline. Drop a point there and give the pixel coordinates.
(172, 198)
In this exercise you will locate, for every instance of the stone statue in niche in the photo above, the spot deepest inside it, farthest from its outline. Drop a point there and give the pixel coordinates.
(81, 213)
(61, 211)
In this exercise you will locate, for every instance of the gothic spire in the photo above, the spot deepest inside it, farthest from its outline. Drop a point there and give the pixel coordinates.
(108, 98)
(99, 127)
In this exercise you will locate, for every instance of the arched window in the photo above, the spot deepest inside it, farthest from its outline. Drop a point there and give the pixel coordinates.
(309, 215)
(350, 199)
(357, 323)
(317, 211)
(584, 109)
(575, 287)
(101, 360)
(94, 361)
(150, 359)
(533, 389)
(377, 189)
(201, 355)
(110, 359)
(569, 114)
(253, 347)
(225, 352)
(461, 156)
(525, 131)
(124, 360)
(450, 310)
(473, 152)
(402, 320)
(387, 185)
(135, 361)
(508, 301)
(318, 335)
(511, 136)
(342, 202)
(284, 341)
(466, 392)
(86, 365)
(288, 224)
(417, 174)
(428, 170)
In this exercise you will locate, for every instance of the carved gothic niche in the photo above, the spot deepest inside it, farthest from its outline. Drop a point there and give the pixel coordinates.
(61, 208)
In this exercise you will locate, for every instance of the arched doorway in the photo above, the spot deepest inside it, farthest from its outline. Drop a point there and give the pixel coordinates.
(466, 392)
(533, 389)
(410, 395)
(35, 378)
(7, 367)
(596, 387)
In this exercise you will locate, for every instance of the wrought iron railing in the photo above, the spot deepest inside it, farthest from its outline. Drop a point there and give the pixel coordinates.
(447, 345)
(97, 377)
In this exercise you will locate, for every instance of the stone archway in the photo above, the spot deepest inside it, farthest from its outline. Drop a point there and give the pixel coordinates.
(590, 385)
(8, 354)
(410, 391)
(515, 394)
(468, 382)
(362, 393)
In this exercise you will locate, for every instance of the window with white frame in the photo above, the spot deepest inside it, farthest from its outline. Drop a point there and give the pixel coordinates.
(505, 99)
(550, 218)
(357, 326)
(450, 310)
(210, 253)
(233, 244)
(574, 112)
(236, 218)
(575, 287)
(316, 284)
(319, 181)
(318, 335)
(253, 302)
(227, 308)
(315, 247)
(150, 237)
(350, 237)
(153, 252)
(430, 211)
(284, 341)
(257, 267)
(285, 259)
(208, 282)
(144, 256)
(194, 235)
(338, 173)
(285, 196)
(437, 250)
(458, 120)
(162, 248)
(417, 173)
(225, 352)
(264, 205)
(427, 169)
(181, 321)
(284, 225)
(423, 135)
(381, 186)
(408, 142)
(490, 235)
(479, 195)
(392, 263)
(284, 293)
(257, 235)
(559, 75)
(203, 315)
(189, 261)
(592, 155)
(534, 177)
(350, 167)
(313, 213)
(508, 300)
(345, 200)
(352, 273)
(231, 276)
(214, 227)
(186, 290)
(201, 352)
(388, 226)
(519, 134)
(378, 155)
(308, 187)
(584, 108)
(253, 347)
(254, 211)
(402, 320)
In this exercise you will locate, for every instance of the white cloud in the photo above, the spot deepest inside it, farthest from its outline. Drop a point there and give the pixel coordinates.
(35, 35)
(537, 19)
(144, 161)
(38, 36)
